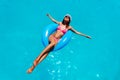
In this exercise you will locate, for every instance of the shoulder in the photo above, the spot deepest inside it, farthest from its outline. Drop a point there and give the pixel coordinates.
(59, 23)
(70, 27)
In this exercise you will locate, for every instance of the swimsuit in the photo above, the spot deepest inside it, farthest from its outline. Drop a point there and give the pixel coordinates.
(62, 30)
(56, 39)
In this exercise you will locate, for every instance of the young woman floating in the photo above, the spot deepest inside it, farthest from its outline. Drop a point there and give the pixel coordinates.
(62, 28)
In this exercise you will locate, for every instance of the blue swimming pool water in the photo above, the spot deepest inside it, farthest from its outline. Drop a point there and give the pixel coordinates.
(21, 24)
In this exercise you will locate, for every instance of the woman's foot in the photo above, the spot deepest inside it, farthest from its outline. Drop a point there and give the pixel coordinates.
(30, 69)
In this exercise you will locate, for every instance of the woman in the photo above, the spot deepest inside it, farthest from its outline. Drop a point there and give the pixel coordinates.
(53, 38)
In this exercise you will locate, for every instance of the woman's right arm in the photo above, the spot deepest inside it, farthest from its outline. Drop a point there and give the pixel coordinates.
(55, 21)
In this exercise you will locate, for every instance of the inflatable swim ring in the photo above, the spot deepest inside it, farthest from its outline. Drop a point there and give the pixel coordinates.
(48, 30)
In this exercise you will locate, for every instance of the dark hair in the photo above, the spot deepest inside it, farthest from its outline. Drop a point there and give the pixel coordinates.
(63, 22)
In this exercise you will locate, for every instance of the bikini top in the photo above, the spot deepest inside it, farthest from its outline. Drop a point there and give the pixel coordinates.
(62, 29)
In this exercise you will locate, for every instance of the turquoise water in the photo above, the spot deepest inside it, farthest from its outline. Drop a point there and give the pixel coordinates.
(21, 24)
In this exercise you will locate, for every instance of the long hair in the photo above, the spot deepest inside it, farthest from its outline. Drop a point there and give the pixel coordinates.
(67, 23)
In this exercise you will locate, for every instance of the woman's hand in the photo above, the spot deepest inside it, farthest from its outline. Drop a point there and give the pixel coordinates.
(47, 14)
(88, 37)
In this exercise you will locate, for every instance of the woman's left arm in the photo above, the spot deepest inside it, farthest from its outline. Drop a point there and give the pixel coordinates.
(75, 31)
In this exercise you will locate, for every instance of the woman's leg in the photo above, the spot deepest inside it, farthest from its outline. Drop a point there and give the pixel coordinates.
(42, 56)
(44, 53)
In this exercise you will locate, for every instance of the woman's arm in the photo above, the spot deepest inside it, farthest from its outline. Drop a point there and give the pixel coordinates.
(75, 31)
(55, 21)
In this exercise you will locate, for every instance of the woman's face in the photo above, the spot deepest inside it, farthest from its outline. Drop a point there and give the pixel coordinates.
(67, 18)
